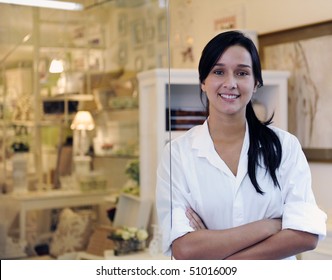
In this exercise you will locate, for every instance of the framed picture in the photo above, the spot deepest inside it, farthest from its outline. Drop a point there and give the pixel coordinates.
(122, 54)
(122, 25)
(162, 27)
(306, 53)
(138, 33)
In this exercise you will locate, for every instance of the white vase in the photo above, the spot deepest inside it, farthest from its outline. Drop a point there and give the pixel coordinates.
(20, 172)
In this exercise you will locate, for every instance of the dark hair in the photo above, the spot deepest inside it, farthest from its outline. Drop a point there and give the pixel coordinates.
(264, 143)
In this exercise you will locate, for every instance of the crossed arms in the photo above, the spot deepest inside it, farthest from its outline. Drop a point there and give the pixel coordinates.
(263, 239)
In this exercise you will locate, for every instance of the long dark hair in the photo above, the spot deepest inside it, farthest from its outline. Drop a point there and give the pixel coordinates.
(264, 143)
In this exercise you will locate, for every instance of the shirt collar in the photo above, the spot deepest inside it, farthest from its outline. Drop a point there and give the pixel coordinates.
(202, 141)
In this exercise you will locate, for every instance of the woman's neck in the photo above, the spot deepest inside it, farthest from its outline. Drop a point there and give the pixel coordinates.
(226, 129)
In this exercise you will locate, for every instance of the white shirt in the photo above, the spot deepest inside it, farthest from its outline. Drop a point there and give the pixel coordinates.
(200, 179)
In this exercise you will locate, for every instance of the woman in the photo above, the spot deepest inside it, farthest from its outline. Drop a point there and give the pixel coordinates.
(234, 187)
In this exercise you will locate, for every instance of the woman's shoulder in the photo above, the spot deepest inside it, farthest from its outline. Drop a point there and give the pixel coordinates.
(187, 138)
(187, 135)
(285, 137)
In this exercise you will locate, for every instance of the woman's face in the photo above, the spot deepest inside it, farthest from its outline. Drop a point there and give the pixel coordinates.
(231, 82)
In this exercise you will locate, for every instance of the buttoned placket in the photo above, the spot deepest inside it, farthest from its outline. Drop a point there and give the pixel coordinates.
(212, 156)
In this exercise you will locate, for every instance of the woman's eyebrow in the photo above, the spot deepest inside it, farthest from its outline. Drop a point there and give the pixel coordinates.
(239, 65)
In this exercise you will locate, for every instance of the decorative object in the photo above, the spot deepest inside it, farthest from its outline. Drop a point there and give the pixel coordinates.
(128, 239)
(139, 63)
(72, 232)
(138, 33)
(82, 122)
(92, 181)
(162, 27)
(122, 24)
(155, 246)
(305, 52)
(122, 54)
(56, 66)
(132, 185)
(232, 17)
(20, 167)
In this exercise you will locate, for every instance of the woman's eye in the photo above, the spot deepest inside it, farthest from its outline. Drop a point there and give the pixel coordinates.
(218, 72)
(242, 73)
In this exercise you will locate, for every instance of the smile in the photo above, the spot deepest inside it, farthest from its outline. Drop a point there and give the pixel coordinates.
(228, 96)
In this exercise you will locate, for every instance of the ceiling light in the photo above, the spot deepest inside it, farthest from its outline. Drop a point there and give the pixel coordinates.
(46, 4)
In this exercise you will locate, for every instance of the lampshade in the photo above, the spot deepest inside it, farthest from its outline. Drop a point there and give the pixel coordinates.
(56, 66)
(83, 121)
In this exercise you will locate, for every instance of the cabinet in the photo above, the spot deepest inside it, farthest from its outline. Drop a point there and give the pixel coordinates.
(183, 88)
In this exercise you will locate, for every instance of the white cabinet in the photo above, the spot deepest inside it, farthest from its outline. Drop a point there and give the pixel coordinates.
(183, 86)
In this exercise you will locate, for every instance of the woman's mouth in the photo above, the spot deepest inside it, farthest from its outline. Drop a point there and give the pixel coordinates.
(228, 96)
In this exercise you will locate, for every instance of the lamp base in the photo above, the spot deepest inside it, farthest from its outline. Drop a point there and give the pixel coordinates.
(82, 164)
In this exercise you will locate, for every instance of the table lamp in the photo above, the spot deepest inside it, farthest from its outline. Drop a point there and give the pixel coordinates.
(82, 122)
(56, 66)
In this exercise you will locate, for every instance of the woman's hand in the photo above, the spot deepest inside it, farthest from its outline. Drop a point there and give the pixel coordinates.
(275, 225)
(195, 221)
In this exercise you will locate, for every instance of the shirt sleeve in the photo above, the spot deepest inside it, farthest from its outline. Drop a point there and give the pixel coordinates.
(300, 209)
(171, 201)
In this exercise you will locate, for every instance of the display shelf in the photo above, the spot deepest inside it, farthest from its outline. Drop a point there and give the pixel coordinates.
(69, 97)
(124, 156)
(80, 43)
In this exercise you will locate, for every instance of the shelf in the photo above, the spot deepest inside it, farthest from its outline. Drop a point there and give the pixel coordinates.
(70, 97)
(71, 47)
(117, 156)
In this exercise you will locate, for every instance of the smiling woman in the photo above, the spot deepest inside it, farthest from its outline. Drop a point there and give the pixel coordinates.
(231, 80)
(238, 186)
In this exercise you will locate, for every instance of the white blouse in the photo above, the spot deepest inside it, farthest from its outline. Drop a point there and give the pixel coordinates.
(200, 179)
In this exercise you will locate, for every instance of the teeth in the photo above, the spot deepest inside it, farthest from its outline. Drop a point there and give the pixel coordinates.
(228, 96)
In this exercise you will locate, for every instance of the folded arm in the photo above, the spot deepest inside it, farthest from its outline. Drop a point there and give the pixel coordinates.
(220, 244)
(284, 244)
(256, 244)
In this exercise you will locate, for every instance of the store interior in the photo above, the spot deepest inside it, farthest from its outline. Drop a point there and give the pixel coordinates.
(84, 96)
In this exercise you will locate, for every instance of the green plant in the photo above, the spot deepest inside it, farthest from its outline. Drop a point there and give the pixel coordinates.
(132, 170)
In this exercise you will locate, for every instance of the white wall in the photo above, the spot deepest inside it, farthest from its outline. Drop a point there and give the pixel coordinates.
(322, 186)
(195, 19)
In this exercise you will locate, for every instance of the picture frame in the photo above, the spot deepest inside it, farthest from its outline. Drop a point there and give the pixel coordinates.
(122, 25)
(162, 27)
(122, 54)
(305, 52)
(138, 33)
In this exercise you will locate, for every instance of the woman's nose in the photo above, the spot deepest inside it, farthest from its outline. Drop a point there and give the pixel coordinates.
(229, 82)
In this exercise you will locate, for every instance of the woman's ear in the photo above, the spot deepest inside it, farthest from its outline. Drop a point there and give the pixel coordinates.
(256, 86)
(203, 87)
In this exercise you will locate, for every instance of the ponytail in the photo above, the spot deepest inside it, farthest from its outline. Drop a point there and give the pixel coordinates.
(264, 145)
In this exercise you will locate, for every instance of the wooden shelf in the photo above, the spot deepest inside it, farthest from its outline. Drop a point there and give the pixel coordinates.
(70, 97)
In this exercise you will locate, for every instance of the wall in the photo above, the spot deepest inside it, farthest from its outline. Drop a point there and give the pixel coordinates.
(136, 39)
(193, 24)
(196, 19)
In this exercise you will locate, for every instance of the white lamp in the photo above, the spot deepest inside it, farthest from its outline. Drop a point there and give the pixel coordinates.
(82, 122)
(56, 66)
